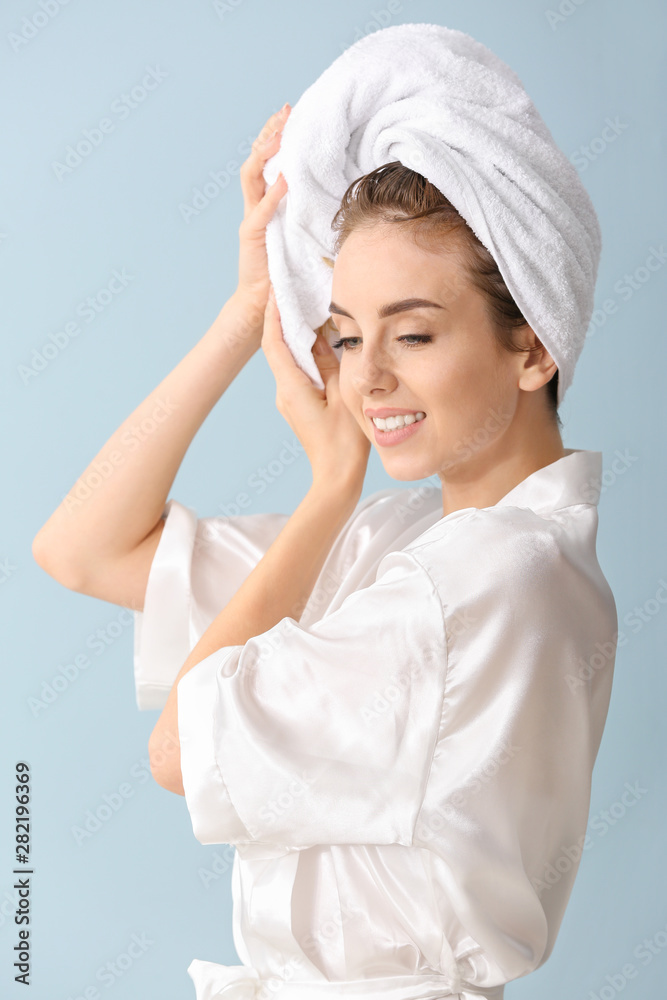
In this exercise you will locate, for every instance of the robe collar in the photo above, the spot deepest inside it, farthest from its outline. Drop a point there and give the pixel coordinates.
(575, 478)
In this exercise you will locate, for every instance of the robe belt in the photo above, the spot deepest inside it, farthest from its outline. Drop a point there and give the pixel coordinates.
(242, 982)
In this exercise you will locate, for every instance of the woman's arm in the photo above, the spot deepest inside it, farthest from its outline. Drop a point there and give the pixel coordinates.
(282, 581)
(102, 538)
(278, 587)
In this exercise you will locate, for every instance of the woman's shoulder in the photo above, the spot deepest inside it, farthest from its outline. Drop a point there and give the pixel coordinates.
(484, 549)
(392, 524)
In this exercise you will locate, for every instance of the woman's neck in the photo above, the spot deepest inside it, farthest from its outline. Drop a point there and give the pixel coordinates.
(486, 477)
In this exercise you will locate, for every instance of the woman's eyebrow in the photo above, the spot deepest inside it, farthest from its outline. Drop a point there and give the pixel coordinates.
(404, 305)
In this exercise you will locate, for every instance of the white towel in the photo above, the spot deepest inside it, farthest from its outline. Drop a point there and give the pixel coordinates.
(442, 103)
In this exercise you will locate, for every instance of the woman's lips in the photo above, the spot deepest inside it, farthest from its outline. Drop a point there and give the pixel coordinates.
(388, 438)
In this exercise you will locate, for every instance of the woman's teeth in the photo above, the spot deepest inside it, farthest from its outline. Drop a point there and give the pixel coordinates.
(400, 420)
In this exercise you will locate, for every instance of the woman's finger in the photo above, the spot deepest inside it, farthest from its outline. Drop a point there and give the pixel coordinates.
(262, 212)
(284, 367)
(267, 143)
(326, 361)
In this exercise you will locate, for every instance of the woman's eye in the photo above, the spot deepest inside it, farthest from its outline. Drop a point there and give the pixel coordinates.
(343, 342)
(417, 338)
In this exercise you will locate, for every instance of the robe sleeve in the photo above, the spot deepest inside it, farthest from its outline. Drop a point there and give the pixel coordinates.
(197, 568)
(324, 734)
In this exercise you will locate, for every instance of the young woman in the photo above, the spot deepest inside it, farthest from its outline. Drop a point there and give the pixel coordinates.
(391, 706)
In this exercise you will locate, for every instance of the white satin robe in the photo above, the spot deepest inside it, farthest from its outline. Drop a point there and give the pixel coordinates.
(405, 771)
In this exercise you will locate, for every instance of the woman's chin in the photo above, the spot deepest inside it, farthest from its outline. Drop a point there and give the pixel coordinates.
(405, 470)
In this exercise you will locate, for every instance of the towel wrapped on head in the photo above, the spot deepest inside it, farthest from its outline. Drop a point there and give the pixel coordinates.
(443, 104)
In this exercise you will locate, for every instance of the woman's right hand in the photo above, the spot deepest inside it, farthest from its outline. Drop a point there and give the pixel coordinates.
(259, 204)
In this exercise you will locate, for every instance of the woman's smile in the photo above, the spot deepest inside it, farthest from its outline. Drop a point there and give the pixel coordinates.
(394, 430)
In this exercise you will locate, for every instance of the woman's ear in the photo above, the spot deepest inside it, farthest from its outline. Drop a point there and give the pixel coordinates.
(537, 365)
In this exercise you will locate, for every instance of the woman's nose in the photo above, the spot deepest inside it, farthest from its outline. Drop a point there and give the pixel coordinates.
(373, 371)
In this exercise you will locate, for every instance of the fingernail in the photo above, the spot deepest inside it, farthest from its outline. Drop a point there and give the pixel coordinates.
(320, 346)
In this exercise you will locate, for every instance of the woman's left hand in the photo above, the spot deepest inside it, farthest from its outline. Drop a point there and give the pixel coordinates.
(335, 444)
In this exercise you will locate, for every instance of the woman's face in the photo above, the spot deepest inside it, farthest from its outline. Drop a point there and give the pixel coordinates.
(442, 360)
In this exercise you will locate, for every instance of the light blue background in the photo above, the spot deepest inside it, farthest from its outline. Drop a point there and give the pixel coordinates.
(226, 72)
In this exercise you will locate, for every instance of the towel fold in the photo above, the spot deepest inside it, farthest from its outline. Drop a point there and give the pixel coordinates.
(442, 103)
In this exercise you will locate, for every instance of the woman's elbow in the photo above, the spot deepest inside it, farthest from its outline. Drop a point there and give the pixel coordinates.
(58, 568)
(164, 755)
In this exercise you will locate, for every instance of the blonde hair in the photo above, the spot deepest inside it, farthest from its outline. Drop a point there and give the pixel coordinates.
(327, 327)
